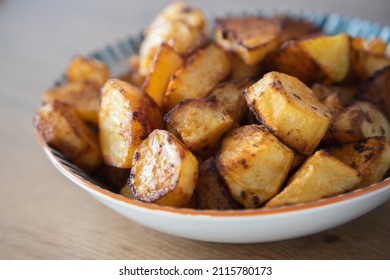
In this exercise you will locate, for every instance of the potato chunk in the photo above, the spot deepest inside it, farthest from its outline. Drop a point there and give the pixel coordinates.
(201, 72)
(211, 192)
(251, 38)
(87, 69)
(200, 124)
(360, 120)
(126, 117)
(164, 171)
(231, 96)
(290, 109)
(62, 129)
(369, 156)
(165, 64)
(241, 70)
(320, 176)
(84, 97)
(253, 163)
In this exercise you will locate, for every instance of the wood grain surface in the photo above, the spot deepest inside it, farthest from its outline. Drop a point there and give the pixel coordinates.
(45, 216)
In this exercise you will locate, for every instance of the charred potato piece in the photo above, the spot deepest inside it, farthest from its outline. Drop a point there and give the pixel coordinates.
(290, 110)
(126, 117)
(61, 127)
(230, 95)
(200, 124)
(165, 64)
(84, 97)
(360, 120)
(201, 72)
(253, 163)
(164, 171)
(294, 28)
(81, 69)
(211, 192)
(377, 90)
(241, 70)
(320, 176)
(251, 38)
(369, 156)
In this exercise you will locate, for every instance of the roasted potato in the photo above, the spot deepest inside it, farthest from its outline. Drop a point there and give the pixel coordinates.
(251, 38)
(63, 129)
(135, 78)
(253, 163)
(290, 110)
(346, 93)
(377, 90)
(200, 124)
(211, 192)
(201, 72)
(369, 156)
(360, 120)
(84, 97)
(81, 69)
(241, 70)
(126, 117)
(231, 96)
(164, 171)
(164, 65)
(320, 176)
(294, 28)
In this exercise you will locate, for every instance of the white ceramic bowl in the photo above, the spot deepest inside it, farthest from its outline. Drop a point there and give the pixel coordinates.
(236, 226)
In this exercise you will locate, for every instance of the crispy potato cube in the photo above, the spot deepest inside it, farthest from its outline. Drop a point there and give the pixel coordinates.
(376, 90)
(251, 38)
(84, 97)
(253, 163)
(165, 64)
(241, 70)
(369, 156)
(126, 117)
(330, 53)
(320, 176)
(183, 38)
(200, 124)
(211, 192)
(81, 69)
(360, 120)
(164, 171)
(201, 72)
(231, 96)
(62, 128)
(290, 109)
(295, 28)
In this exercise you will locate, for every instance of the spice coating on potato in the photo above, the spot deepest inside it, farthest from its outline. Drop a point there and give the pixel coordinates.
(253, 163)
(63, 130)
(126, 117)
(290, 110)
(164, 171)
(320, 176)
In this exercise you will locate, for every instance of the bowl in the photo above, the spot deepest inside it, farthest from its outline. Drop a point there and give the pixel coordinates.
(235, 226)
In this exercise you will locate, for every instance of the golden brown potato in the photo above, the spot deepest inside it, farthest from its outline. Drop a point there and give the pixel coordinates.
(126, 117)
(200, 124)
(164, 65)
(372, 62)
(320, 176)
(164, 171)
(61, 127)
(231, 96)
(253, 163)
(294, 28)
(241, 70)
(360, 120)
(290, 110)
(201, 72)
(211, 192)
(251, 38)
(377, 90)
(346, 93)
(84, 97)
(369, 156)
(372, 45)
(81, 69)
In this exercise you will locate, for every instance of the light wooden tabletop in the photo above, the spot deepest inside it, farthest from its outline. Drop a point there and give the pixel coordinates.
(45, 216)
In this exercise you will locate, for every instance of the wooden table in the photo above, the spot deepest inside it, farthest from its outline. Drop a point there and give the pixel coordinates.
(45, 216)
